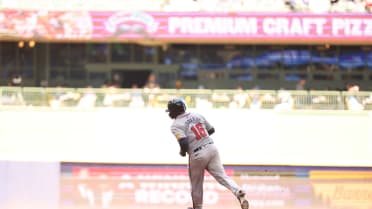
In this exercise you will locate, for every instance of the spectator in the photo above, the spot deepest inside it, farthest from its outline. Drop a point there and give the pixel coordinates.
(61, 95)
(301, 85)
(297, 5)
(152, 82)
(239, 99)
(367, 102)
(15, 80)
(117, 80)
(201, 100)
(255, 102)
(113, 97)
(220, 99)
(15, 95)
(88, 100)
(351, 100)
(319, 6)
(136, 97)
(181, 6)
(359, 6)
(301, 100)
(285, 101)
(151, 89)
(178, 84)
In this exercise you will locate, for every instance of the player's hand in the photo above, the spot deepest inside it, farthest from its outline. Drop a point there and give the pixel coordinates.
(183, 154)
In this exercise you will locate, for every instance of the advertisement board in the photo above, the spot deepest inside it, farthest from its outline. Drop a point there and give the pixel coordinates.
(143, 186)
(163, 27)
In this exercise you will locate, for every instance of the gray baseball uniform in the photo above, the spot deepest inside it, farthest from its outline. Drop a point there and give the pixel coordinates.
(203, 154)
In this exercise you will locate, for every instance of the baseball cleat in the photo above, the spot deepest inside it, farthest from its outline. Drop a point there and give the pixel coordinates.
(243, 202)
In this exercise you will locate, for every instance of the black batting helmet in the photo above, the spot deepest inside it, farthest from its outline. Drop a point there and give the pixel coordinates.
(176, 107)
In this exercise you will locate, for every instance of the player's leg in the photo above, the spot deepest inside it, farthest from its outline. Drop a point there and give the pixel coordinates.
(216, 169)
(196, 174)
(242, 200)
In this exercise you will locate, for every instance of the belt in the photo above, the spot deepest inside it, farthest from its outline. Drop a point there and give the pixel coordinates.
(201, 147)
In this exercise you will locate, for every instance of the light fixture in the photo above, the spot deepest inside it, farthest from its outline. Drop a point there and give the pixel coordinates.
(31, 44)
(21, 44)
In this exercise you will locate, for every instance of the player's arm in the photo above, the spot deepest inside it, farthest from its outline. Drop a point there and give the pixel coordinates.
(182, 140)
(208, 126)
(184, 146)
(211, 131)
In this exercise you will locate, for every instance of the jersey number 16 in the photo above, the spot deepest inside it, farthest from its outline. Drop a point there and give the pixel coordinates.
(199, 131)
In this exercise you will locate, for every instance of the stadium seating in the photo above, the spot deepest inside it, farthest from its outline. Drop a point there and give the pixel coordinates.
(314, 6)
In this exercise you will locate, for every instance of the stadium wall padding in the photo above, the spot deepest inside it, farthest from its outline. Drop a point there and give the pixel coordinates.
(244, 137)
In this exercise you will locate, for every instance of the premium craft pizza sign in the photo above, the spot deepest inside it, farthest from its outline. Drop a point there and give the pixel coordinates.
(271, 26)
(247, 27)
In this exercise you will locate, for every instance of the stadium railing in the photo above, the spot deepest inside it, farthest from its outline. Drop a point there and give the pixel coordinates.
(85, 98)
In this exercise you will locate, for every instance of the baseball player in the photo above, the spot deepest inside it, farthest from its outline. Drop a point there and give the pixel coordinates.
(193, 132)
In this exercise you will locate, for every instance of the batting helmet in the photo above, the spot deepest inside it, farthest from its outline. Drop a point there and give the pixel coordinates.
(176, 107)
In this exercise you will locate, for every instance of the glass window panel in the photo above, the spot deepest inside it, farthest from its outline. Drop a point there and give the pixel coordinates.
(120, 52)
(268, 57)
(97, 52)
(58, 73)
(183, 53)
(144, 54)
(78, 55)
(7, 58)
(77, 73)
(150, 54)
(164, 55)
(67, 61)
(367, 51)
(324, 58)
(78, 61)
(352, 58)
(296, 57)
(296, 60)
(26, 61)
(240, 57)
(213, 57)
(187, 57)
(59, 55)
(60, 60)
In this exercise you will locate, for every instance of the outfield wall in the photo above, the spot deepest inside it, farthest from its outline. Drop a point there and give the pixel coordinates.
(53, 185)
(134, 162)
(142, 136)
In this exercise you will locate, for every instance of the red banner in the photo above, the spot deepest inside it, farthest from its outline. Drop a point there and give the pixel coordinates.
(168, 187)
(189, 27)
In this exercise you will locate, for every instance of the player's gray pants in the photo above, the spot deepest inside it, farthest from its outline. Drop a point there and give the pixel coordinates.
(207, 159)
